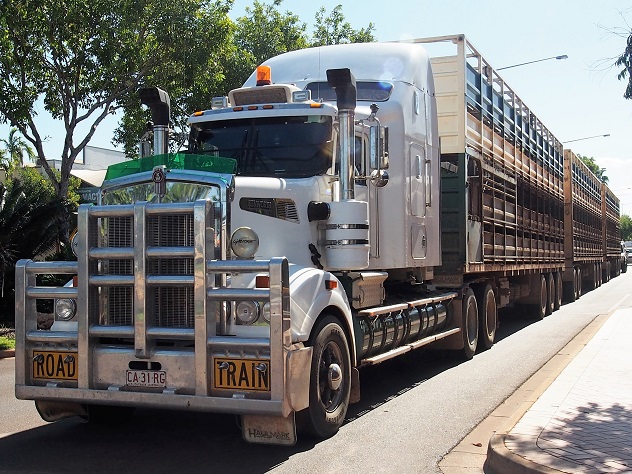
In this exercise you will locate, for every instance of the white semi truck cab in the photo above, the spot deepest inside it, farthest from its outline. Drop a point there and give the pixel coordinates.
(292, 243)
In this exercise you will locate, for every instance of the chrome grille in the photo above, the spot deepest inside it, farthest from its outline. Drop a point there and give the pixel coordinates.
(174, 307)
(167, 306)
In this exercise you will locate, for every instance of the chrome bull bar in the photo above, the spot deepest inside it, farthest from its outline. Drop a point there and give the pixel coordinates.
(289, 364)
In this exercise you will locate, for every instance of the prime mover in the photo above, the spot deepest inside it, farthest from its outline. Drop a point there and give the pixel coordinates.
(347, 205)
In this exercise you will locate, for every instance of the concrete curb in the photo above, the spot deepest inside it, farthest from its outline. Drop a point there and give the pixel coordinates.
(7, 353)
(500, 459)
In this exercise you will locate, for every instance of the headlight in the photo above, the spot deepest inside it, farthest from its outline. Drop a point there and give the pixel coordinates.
(65, 309)
(244, 242)
(247, 312)
(266, 312)
(74, 242)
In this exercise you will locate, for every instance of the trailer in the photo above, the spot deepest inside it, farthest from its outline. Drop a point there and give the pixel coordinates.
(584, 247)
(366, 202)
(593, 247)
(611, 213)
(502, 190)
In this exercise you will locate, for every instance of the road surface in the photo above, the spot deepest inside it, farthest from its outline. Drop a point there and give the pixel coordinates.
(413, 411)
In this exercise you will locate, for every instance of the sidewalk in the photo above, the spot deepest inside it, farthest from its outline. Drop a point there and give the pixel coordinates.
(573, 416)
(582, 423)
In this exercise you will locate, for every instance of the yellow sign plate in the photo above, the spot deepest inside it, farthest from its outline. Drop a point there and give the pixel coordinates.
(55, 365)
(241, 374)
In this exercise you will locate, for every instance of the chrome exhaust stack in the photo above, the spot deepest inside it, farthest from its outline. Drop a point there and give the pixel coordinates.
(343, 83)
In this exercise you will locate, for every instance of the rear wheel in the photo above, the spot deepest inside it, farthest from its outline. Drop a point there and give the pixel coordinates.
(330, 381)
(487, 317)
(558, 291)
(578, 283)
(539, 310)
(470, 324)
(550, 290)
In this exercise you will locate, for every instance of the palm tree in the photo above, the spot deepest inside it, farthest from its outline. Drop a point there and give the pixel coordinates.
(16, 148)
(29, 227)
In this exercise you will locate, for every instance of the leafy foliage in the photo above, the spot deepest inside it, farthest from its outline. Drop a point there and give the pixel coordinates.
(599, 172)
(626, 227)
(15, 149)
(86, 59)
(625, 62)
(83, 60)
(29, 217)
(265, 32)
(333, 29)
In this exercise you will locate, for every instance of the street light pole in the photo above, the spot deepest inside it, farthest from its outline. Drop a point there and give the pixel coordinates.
(586, 138)
(562, 56)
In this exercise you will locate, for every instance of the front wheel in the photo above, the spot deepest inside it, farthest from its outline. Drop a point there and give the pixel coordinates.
(330, 381)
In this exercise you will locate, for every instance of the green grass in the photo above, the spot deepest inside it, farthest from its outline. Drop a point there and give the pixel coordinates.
(6, 343)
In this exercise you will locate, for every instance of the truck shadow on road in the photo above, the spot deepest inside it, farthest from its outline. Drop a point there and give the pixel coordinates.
(155, 441)
(395, 377)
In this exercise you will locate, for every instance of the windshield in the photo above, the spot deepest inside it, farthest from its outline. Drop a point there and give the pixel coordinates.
(289, 147)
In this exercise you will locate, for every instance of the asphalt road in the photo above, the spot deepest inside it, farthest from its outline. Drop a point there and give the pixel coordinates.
(413, 411)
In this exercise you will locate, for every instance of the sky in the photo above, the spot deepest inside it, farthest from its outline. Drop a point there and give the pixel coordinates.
(574, 98)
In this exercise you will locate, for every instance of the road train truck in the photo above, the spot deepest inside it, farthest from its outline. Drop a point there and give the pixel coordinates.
(347, 205)
(592, 243)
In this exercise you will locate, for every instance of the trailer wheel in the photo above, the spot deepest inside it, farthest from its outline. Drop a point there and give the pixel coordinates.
(539, 310)
(487, 317)
(330, 381)
(558, 291)
(470, 325)
(578, 286)
(550, 290)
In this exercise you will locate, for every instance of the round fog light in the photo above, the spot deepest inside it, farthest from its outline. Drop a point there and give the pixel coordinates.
(244, 242)
(247, 312)
(65, 309)
(266, 312)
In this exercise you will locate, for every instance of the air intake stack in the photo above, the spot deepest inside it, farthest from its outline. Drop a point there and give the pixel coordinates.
(347, 229)
(160, 105)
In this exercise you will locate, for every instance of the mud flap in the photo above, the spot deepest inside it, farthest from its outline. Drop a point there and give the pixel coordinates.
(54, 411)
(269, 429)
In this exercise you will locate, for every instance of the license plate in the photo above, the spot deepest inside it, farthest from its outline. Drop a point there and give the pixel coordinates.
(55, 365)
(146, 378)
(241, 374)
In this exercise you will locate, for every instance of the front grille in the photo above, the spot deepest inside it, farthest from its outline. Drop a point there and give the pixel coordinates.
(165, 306)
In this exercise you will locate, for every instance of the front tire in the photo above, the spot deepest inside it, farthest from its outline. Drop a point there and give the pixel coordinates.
(330, 381)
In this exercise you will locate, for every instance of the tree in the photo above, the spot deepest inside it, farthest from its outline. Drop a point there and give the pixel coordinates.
(15, 149)
(626, 227)
(86, 59)
(333, 29)
(29, 216)
(625, 62)
(595, 168)
(265, 32)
